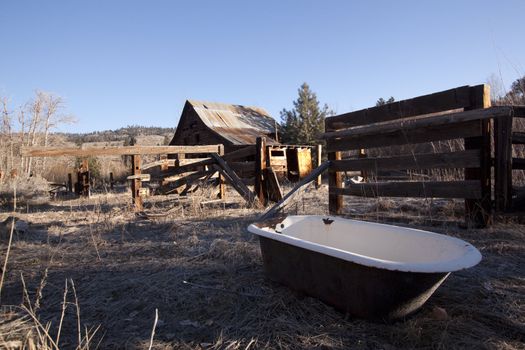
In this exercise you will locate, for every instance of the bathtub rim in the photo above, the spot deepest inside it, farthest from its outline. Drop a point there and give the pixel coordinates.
(470, 258)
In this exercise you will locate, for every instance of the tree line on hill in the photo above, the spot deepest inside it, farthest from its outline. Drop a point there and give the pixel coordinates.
(126, 134)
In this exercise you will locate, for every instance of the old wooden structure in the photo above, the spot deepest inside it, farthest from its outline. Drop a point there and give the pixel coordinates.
(234, 126)
(461, 113)
(237, 127)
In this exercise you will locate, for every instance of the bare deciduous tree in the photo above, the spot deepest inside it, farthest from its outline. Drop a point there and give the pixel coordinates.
(32, 126)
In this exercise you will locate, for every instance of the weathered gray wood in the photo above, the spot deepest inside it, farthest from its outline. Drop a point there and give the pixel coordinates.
(410, 124)
(162, 162)
(437, 102)
(460, 159)
(188, 178)
(189, 166)
(300, 185)
(141, 177)
(402, 137)
(429, 189)
(240, 153)
(232, 178)
(188, 161)
(272, 186)
(114, 151)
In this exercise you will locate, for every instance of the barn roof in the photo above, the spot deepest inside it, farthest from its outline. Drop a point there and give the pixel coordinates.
(238, 124)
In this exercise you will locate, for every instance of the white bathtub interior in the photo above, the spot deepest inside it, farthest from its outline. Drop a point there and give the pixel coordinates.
(390, 246)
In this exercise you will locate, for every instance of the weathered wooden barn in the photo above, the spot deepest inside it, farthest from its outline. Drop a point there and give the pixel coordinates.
(234, 126)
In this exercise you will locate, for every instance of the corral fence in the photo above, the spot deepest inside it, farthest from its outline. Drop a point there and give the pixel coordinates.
(183, 168)
(463, 113)
(190, 169)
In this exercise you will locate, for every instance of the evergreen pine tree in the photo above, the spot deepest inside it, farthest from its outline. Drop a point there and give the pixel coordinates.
(381, 101)
(304, 124)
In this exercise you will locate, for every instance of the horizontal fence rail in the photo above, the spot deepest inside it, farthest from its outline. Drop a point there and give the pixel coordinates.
(460, 113)
(116, 151)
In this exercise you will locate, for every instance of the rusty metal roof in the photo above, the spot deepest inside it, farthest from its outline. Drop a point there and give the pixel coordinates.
(238, 124)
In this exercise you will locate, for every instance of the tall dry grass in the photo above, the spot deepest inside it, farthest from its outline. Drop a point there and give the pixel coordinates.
(20, 325)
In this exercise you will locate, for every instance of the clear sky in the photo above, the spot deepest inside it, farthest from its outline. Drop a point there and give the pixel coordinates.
(118, 63)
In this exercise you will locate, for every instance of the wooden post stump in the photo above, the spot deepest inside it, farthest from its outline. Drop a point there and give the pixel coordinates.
(136, 183)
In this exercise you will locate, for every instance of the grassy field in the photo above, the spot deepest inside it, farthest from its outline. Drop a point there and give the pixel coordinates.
(88, 272)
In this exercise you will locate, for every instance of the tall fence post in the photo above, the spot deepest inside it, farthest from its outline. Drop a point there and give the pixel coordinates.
(335, 180)
(260, 164)
(503, 163)
(479, 211)
(319, 179)
(136, 183)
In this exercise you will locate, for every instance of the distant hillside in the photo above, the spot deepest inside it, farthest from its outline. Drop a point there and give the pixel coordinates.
(136, 133)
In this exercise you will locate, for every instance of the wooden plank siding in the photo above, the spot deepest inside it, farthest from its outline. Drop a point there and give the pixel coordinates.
(240, 153)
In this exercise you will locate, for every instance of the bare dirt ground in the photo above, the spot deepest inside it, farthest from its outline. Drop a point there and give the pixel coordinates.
(199, 268)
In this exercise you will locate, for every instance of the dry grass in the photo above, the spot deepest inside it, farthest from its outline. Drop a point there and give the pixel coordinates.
(199, 267)
(28, 189)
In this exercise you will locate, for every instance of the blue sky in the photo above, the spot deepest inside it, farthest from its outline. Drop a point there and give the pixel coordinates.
(118, 63)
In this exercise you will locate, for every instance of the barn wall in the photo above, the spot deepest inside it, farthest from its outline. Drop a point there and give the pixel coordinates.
(192, 131)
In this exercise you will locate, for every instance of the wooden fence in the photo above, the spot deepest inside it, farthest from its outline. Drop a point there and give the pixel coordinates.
(460, 113)
(214, 160)
(251, 165)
